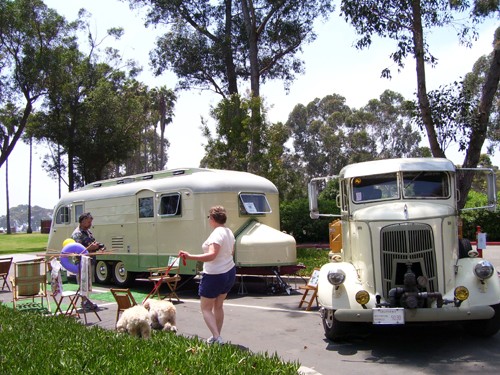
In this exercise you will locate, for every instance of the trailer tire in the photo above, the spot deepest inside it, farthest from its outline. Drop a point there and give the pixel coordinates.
(464, 246)
(334, 330)
(485, 328)
(121, 276)
(102, 272)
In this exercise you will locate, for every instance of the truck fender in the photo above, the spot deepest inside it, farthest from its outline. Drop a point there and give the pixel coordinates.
(481, 293)
(342, 296)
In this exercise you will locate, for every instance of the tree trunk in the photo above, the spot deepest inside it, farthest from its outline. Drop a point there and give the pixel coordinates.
(7, 196)
(29, 230)
(480, 127)
(232, 80)
(256, 120)
(423, 100)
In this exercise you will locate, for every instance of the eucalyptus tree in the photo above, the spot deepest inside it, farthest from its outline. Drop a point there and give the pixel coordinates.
(29, 35)
(221, 45)
(327, 134)
(217, 44)
(388, 120)
(229, 148)
(409, 23)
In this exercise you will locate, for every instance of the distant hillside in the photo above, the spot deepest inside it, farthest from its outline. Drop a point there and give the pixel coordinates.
(19, 218)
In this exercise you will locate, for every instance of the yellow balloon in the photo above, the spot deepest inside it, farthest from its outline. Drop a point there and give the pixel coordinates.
(68, 241)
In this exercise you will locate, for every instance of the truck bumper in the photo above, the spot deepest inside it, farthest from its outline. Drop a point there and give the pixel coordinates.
(443, 314)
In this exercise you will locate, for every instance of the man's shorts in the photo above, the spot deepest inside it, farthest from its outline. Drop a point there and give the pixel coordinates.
(212, 286)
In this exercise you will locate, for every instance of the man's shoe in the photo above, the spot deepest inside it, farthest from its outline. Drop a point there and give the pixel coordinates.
(88, 305)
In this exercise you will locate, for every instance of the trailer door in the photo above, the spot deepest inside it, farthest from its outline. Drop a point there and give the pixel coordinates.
(146, 229)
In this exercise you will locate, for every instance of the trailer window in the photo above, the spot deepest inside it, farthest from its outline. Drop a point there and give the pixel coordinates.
(426, 184)
(254, 204)
(146, 207)
(63, 215)
(372, 188)
(78, 209)
(170, 205)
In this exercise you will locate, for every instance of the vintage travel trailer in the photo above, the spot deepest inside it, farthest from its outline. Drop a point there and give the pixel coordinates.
(144, 219)
(397, 254)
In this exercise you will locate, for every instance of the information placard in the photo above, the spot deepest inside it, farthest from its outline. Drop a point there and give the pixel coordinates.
(389, 315)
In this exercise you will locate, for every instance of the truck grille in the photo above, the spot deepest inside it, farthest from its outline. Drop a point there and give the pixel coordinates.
(403, 244)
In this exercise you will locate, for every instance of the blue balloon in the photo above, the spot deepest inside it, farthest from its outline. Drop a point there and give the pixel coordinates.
(72, 248)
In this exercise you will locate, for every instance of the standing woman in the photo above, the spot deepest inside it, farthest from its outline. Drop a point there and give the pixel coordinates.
(219, 272)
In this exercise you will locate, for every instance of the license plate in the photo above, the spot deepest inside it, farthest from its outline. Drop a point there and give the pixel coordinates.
(388, 316)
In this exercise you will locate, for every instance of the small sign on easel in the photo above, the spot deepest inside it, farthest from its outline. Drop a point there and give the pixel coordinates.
(313, 280)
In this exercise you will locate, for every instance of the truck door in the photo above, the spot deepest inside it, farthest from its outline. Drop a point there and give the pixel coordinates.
(146, 229)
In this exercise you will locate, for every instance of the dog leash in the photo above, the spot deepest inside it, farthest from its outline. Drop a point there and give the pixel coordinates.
(159, 282)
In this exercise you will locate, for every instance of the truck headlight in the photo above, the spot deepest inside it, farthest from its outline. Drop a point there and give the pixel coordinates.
(336, 277)
(484, 270)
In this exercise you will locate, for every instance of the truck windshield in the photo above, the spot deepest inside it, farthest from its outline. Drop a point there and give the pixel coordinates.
(426, 184)
(377, 187)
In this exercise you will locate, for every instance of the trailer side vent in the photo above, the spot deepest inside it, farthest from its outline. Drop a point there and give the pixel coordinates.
(117, 243)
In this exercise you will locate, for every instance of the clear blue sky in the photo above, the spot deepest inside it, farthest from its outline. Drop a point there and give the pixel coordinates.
(332, 64)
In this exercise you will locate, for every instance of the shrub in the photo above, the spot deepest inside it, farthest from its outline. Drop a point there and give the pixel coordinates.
(487, 220)
(296, 221)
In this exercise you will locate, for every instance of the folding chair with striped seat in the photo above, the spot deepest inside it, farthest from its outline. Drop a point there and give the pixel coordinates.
(29, 281)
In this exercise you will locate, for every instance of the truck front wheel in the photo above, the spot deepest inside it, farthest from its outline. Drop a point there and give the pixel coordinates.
(485, 328)
(334, 330)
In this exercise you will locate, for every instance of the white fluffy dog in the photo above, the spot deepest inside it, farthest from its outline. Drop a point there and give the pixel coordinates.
(162, 314)
(136, 321)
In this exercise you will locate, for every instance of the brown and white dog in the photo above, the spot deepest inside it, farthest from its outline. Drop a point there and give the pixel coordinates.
(162, 314)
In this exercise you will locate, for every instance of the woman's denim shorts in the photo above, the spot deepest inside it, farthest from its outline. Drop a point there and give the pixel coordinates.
(212, 286)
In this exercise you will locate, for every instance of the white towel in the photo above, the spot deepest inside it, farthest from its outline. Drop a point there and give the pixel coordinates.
(55, 277)
(85, 276)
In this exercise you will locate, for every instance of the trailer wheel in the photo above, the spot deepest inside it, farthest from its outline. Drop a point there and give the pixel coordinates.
(102, 272)
(334, 330)
(485, 328)
(121, 276)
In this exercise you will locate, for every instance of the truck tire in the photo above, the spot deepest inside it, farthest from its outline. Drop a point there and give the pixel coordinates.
(464, 246)
(102, 272)
(485, 328)
(334, 330)
(122, 277)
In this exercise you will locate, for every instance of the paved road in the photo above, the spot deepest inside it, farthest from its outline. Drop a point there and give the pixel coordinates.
(274, 324)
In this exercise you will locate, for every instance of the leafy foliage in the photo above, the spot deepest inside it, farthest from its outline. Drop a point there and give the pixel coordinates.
(30, 35)
(219, 44)
(238, 131)
(296, 221)
(487, 220)
(327, 134)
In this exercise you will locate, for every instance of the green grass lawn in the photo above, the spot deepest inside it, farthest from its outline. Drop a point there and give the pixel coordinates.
(33, 343)
(18, 243)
